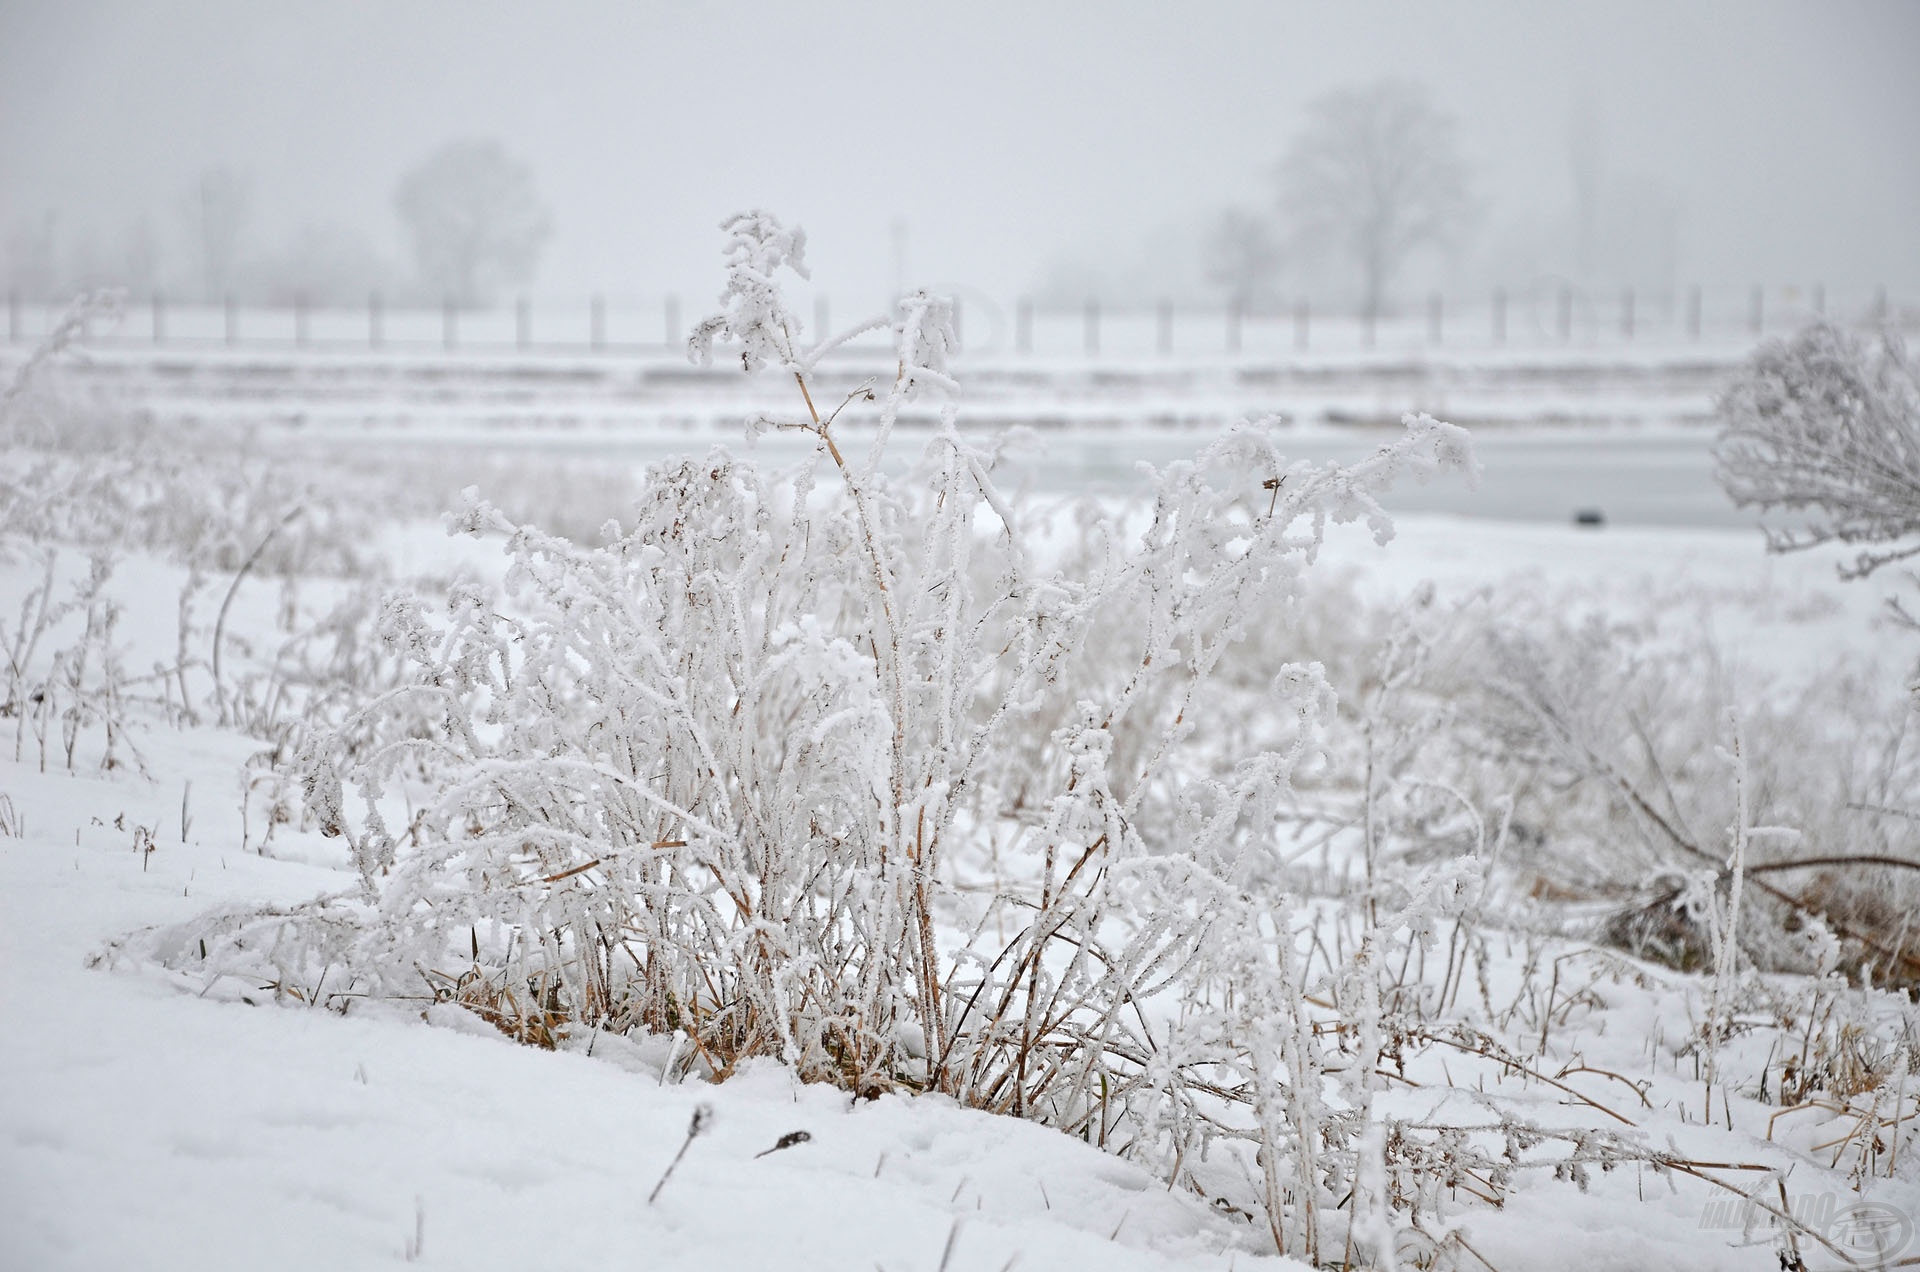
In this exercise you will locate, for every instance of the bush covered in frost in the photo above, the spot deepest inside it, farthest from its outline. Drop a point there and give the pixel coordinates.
(717, 777)
(1823, 431)
(860, 767)
(1827, 425)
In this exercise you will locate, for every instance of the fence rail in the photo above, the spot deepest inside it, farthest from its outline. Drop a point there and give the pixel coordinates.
(1537, 317)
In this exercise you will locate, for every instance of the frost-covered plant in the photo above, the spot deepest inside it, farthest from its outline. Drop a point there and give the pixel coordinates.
(1138, 829)
(24, 402)
(1825, 430)
(78, 474)
(1588, 748)
(722, 775)
(1827, 425)
(76, 480)
(1724, 920)
(64, 672)
(210, 502)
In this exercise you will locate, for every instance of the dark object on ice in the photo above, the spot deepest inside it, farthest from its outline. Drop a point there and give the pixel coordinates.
(1589, 517)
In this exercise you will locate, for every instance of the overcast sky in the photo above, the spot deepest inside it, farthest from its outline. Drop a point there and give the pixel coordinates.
(1013, 140)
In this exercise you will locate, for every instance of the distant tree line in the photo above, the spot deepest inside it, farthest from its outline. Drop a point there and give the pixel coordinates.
(1372, 204)
(470, 216)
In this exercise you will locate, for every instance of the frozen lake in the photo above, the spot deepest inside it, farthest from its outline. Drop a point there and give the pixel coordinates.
(1665, 479)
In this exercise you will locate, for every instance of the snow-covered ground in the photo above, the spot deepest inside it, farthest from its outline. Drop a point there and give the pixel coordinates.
(148, 1126)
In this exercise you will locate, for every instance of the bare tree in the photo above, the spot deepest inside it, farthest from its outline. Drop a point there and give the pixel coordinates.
(1243, 256)
(1826, 428)
(474, 220)
(1374, 173)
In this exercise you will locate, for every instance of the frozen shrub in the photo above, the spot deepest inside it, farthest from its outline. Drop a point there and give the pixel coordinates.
(718, 777)
(83, 488)
(1824, 430)
(85, 476)
(1127, 822)
(1603, 738)
(1827, 425)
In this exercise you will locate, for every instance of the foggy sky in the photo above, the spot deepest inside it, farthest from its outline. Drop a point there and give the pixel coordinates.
(1014, 140)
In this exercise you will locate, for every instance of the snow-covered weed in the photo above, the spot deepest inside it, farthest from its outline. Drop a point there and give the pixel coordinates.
(65, 676)
(723, 775)
(84, 476)
(1826, 426)
(1822, 432)
(1149, 837)
(83, 490)
(1591, 749)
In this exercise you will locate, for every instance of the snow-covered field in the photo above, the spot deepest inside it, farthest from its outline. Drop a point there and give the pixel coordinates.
(157, 1114)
